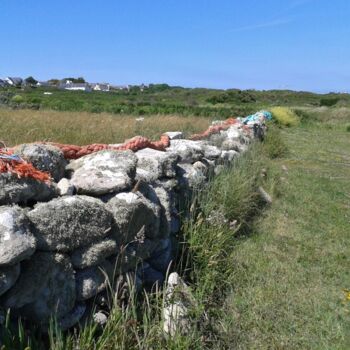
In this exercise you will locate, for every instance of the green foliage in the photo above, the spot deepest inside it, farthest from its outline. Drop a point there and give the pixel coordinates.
(165, 99)
(285, 116)
(347, 127)
(75, 80)
(329, 102)
(274, 145)
(17, 99)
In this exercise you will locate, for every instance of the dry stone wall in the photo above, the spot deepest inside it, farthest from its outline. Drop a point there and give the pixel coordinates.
(107, 216)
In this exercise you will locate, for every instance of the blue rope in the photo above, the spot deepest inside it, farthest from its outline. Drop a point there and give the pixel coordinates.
(11, 157)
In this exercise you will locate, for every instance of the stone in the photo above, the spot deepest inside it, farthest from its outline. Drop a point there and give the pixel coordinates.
(44, 157)
(14, 190)
(72, 317)
(162, 257)
(92, 280)
(134, 253)
(178, 302)
(201, 167)
(94, 254)
(133, 211)
(16, 240)
(229, 144)
(228, 156)
(175, 135)
(100, 318)
(211, 152)
(167, 208)
(150, 276)
(67, 223)
(45, 287)
(158, 163)
(8, 277)
(65, 188)
(125, 285)
(189, 151)
(190, 176)
(103, 172)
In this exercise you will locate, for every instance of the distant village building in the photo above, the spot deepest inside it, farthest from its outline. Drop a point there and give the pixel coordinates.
(100, 87)
(43, 83)
(121, 87)
(14, 81)
(69, 85)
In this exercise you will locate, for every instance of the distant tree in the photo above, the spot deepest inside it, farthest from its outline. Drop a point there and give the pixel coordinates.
(74, 80)
(30, 81)
(79, 80)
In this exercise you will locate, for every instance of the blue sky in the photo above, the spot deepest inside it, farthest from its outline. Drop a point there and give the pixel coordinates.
(261, 44)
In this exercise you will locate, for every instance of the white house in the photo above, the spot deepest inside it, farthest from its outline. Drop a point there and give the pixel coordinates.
(69, 85)
(101, 87)
(14, 81)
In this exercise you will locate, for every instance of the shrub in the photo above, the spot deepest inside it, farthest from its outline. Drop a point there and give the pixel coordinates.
(347, 127)
(274, 146)
(17, 99)
(285, 116)
(329, 102)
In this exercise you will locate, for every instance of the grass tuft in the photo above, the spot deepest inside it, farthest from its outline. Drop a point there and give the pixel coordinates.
(274, 145)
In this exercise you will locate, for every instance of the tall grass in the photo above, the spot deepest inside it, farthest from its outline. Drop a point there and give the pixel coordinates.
(80, 128)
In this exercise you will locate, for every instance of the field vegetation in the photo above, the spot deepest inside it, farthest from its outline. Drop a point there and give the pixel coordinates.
(164, 99)
(263, 276)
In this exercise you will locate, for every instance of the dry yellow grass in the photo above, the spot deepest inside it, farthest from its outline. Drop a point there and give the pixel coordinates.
(21, 126)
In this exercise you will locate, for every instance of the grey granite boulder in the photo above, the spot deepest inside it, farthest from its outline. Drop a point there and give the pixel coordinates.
(189, 151)
(190, 176)
(8, 277)
(175, 135)
(45, 287)
(162, 257)
(44, 157)
(72, 317)
(132, 211)
(16, 240)
(160, 164)
(93, 280)
(68, 223)
(14, 190)
(228, 156)
(167, 205)
(65, 188)
(178, 302)
(94, 254)
(150, 277)
(103, 172)
(133, 253)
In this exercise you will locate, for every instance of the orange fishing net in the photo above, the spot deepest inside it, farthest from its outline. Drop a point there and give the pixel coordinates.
(10, 163)
(135, 144)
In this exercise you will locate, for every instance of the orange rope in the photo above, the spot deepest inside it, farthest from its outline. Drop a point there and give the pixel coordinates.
(214, 129)
(135, 144)
(21, 168)
(24, 169)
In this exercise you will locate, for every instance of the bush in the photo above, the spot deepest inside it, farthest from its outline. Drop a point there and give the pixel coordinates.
(285, 116)
(274, 146)
(17, 99)
(329, 102)
(347, 127)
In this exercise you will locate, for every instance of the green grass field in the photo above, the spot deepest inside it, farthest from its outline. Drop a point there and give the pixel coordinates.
(290, 275)
(280, 278)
